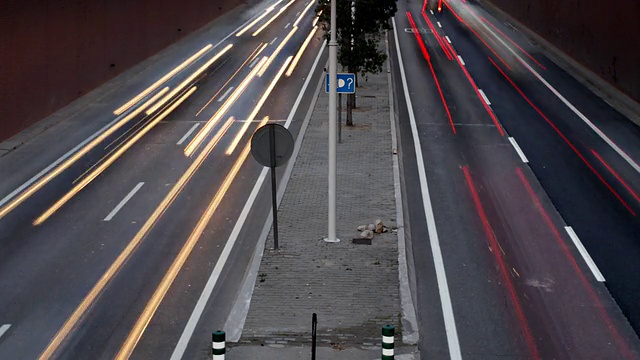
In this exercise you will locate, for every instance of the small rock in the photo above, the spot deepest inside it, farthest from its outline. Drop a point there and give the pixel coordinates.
(367, 234)
(371, 227)
(379, 227)
(362, 228)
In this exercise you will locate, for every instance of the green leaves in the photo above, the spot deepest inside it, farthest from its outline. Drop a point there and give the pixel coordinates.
(360, 25)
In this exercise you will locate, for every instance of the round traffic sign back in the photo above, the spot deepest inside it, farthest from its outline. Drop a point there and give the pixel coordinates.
(270, 135)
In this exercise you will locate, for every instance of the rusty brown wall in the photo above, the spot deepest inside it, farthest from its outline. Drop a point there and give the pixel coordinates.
(602, 35)
(54, 51)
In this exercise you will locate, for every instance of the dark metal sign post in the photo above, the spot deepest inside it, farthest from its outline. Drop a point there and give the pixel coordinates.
(272, 145)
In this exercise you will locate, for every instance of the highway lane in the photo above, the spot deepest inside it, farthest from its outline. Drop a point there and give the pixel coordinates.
(604, 218)
(84, 246)
(513, 275)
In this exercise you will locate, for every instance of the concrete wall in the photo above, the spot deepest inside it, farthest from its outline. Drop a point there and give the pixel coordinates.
(604, 36)
(54, 51)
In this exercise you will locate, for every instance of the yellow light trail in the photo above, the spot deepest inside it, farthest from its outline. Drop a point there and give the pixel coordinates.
(202, 134)
(303, 12)
(67, 163)
(103, 166)
(264, 26)
(157, 84)
(86, 303)
(154, 302)
(257, 51)
(264, 45)
(315, 21)
(277, 50)
(270, 9)
(257, 108)
(301, 51)
(188, 80)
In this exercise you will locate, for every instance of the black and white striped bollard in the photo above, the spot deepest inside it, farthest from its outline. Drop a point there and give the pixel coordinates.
(388, 332)
(218, 345)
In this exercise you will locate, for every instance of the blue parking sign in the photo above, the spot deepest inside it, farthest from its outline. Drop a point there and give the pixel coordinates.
(346, 83)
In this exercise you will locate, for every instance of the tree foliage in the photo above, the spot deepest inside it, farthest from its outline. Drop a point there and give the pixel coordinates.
(360, 25)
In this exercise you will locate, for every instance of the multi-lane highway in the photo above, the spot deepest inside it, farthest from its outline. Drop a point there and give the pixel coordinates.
(113, 221)
(518, 166)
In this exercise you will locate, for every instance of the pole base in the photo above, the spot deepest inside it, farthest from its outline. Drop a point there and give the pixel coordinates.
(336, 240)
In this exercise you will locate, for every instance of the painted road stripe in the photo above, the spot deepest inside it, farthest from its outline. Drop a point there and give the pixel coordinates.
(96, 134)
(274, 40)
(4, 328)
(518, 150)
(431, 11)
(253, 63)
(186, 136)
(287, 26)
(439, 25)
(441, 276)
(123, 202)
(225, 94)
(599, 132)
(198, 310)
(585, 255)
(461, 61)
(448, 40)
(484, 96)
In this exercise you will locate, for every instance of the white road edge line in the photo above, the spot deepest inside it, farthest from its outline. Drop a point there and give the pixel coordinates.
(448, 40)
(602, 135)
(484, 96)
(461, 61)
(187, 333)
(94, 135)
(585, 255)
(186, 136)
(439, 25)
(410, 331)
(226, 93)
(4, 328)
(123, 202)
(441, 276)
(518, 150)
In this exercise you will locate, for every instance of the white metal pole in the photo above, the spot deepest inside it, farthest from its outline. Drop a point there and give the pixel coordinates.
(333, 83)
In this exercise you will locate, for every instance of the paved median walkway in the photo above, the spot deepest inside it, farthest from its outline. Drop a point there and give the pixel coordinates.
(353, 288)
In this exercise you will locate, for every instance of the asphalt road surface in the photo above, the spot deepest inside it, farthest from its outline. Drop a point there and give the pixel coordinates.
(517, 164)
(106, 253)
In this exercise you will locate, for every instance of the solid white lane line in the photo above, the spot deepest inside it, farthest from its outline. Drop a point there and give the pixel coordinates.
(484, 96)
(4, 328)
(602, 135)
(196, 314)
(585, 255)
(226, 93)
(274, 40)
(461, 61)
(440, 25)
(518, 150)
(448, 40)
(253, 63)
(186, 136)
(441, 276)
(123, 202)
(287, 26)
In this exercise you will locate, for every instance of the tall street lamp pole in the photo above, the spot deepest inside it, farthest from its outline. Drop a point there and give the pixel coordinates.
(333, 83)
